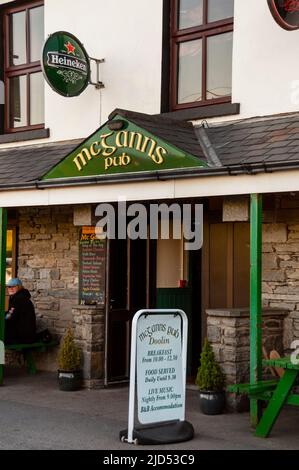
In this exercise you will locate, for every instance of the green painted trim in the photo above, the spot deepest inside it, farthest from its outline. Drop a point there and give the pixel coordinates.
(255, 299)
(250, 389)
(293, 399)
(128, 150)
(3, 227)
(284, 362)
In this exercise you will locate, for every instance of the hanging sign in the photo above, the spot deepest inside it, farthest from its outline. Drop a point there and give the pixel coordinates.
(128, 150)
(65, 64)
(285, 13)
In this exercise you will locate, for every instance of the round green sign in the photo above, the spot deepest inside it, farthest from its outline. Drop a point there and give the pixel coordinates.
(65, 64)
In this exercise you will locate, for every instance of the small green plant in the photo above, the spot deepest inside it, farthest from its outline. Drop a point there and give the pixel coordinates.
(209, 375)
(69, 357)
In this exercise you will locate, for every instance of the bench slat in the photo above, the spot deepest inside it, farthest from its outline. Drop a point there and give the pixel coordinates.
(21, 347)
(27, 351)
(283, 362)
(251, 389)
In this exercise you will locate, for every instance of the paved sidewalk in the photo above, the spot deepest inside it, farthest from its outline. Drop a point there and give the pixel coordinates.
(36, 415)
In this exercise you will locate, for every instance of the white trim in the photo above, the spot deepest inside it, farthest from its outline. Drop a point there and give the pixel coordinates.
(280, 181)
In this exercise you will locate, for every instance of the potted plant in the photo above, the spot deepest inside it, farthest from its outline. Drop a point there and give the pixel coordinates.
(210, 381)
(69, 362)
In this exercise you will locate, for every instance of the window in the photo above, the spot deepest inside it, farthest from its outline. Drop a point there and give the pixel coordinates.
(24, 83)
(201, 52)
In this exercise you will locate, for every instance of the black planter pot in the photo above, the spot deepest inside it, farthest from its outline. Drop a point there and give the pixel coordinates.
(69, 381)
(211, 403)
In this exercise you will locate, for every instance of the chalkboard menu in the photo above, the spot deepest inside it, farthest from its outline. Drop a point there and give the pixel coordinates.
(92, 263)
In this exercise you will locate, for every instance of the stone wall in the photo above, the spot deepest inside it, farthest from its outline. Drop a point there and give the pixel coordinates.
(48, 266)
(228, 330)
(280, 288)
(89, 332)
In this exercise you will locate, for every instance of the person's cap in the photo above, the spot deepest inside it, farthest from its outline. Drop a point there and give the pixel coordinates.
(15, 281)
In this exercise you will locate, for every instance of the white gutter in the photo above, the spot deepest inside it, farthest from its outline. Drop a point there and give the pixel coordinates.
(227, 185)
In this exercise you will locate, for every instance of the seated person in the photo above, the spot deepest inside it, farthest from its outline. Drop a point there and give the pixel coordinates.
(20, 321)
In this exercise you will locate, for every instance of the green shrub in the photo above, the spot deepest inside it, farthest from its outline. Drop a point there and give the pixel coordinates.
(209, 375)
(69, 357)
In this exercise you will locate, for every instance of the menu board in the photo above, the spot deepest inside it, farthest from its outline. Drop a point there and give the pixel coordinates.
(160, 383)
(92, 266)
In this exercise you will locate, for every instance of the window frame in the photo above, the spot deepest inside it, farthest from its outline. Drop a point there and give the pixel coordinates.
(178, 36)
(11, 71)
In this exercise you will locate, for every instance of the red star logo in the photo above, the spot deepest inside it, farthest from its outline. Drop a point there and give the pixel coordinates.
(70, 48)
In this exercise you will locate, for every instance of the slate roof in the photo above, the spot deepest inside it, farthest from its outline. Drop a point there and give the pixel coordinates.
(250, 141)
(178, 133)
(259, 140)
(27, 164)
(239, 144)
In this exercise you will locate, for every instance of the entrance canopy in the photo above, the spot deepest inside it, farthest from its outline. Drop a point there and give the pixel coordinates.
(135, 144)
(143, 157)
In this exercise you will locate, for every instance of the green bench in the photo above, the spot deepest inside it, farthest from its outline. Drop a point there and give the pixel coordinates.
(261, 390)
(27, 351)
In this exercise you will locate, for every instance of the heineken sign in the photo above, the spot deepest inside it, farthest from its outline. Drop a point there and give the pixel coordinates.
(65, 64)
(285, 13)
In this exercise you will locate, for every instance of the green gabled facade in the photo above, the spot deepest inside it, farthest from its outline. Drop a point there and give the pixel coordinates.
(120, 146)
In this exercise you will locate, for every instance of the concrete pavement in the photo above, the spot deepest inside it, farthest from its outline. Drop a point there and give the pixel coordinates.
(34, 414)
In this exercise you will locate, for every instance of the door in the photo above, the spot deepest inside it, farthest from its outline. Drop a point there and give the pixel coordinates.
(129, 290)
(229, 265)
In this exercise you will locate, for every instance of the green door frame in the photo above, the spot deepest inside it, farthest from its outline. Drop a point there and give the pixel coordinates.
(255, 300)
(3, 227)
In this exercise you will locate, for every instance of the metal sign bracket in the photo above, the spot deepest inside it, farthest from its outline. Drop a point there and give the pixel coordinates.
(98, 84)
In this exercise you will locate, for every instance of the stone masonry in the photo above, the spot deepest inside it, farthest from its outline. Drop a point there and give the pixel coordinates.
(48, 256)
(280, 286)
(89, 332)
(48, 253)
(228, 332)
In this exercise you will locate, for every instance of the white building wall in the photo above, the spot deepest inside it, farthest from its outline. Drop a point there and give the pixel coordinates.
(265, 62)
(129, 36)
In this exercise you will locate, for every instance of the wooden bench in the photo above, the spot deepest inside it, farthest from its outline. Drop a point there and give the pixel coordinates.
(261, 390)
(27, 352)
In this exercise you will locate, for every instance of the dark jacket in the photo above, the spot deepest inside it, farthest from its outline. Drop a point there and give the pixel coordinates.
(20, 321)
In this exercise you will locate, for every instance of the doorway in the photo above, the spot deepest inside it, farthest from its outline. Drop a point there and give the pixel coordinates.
(131, 281)
(179, 286)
